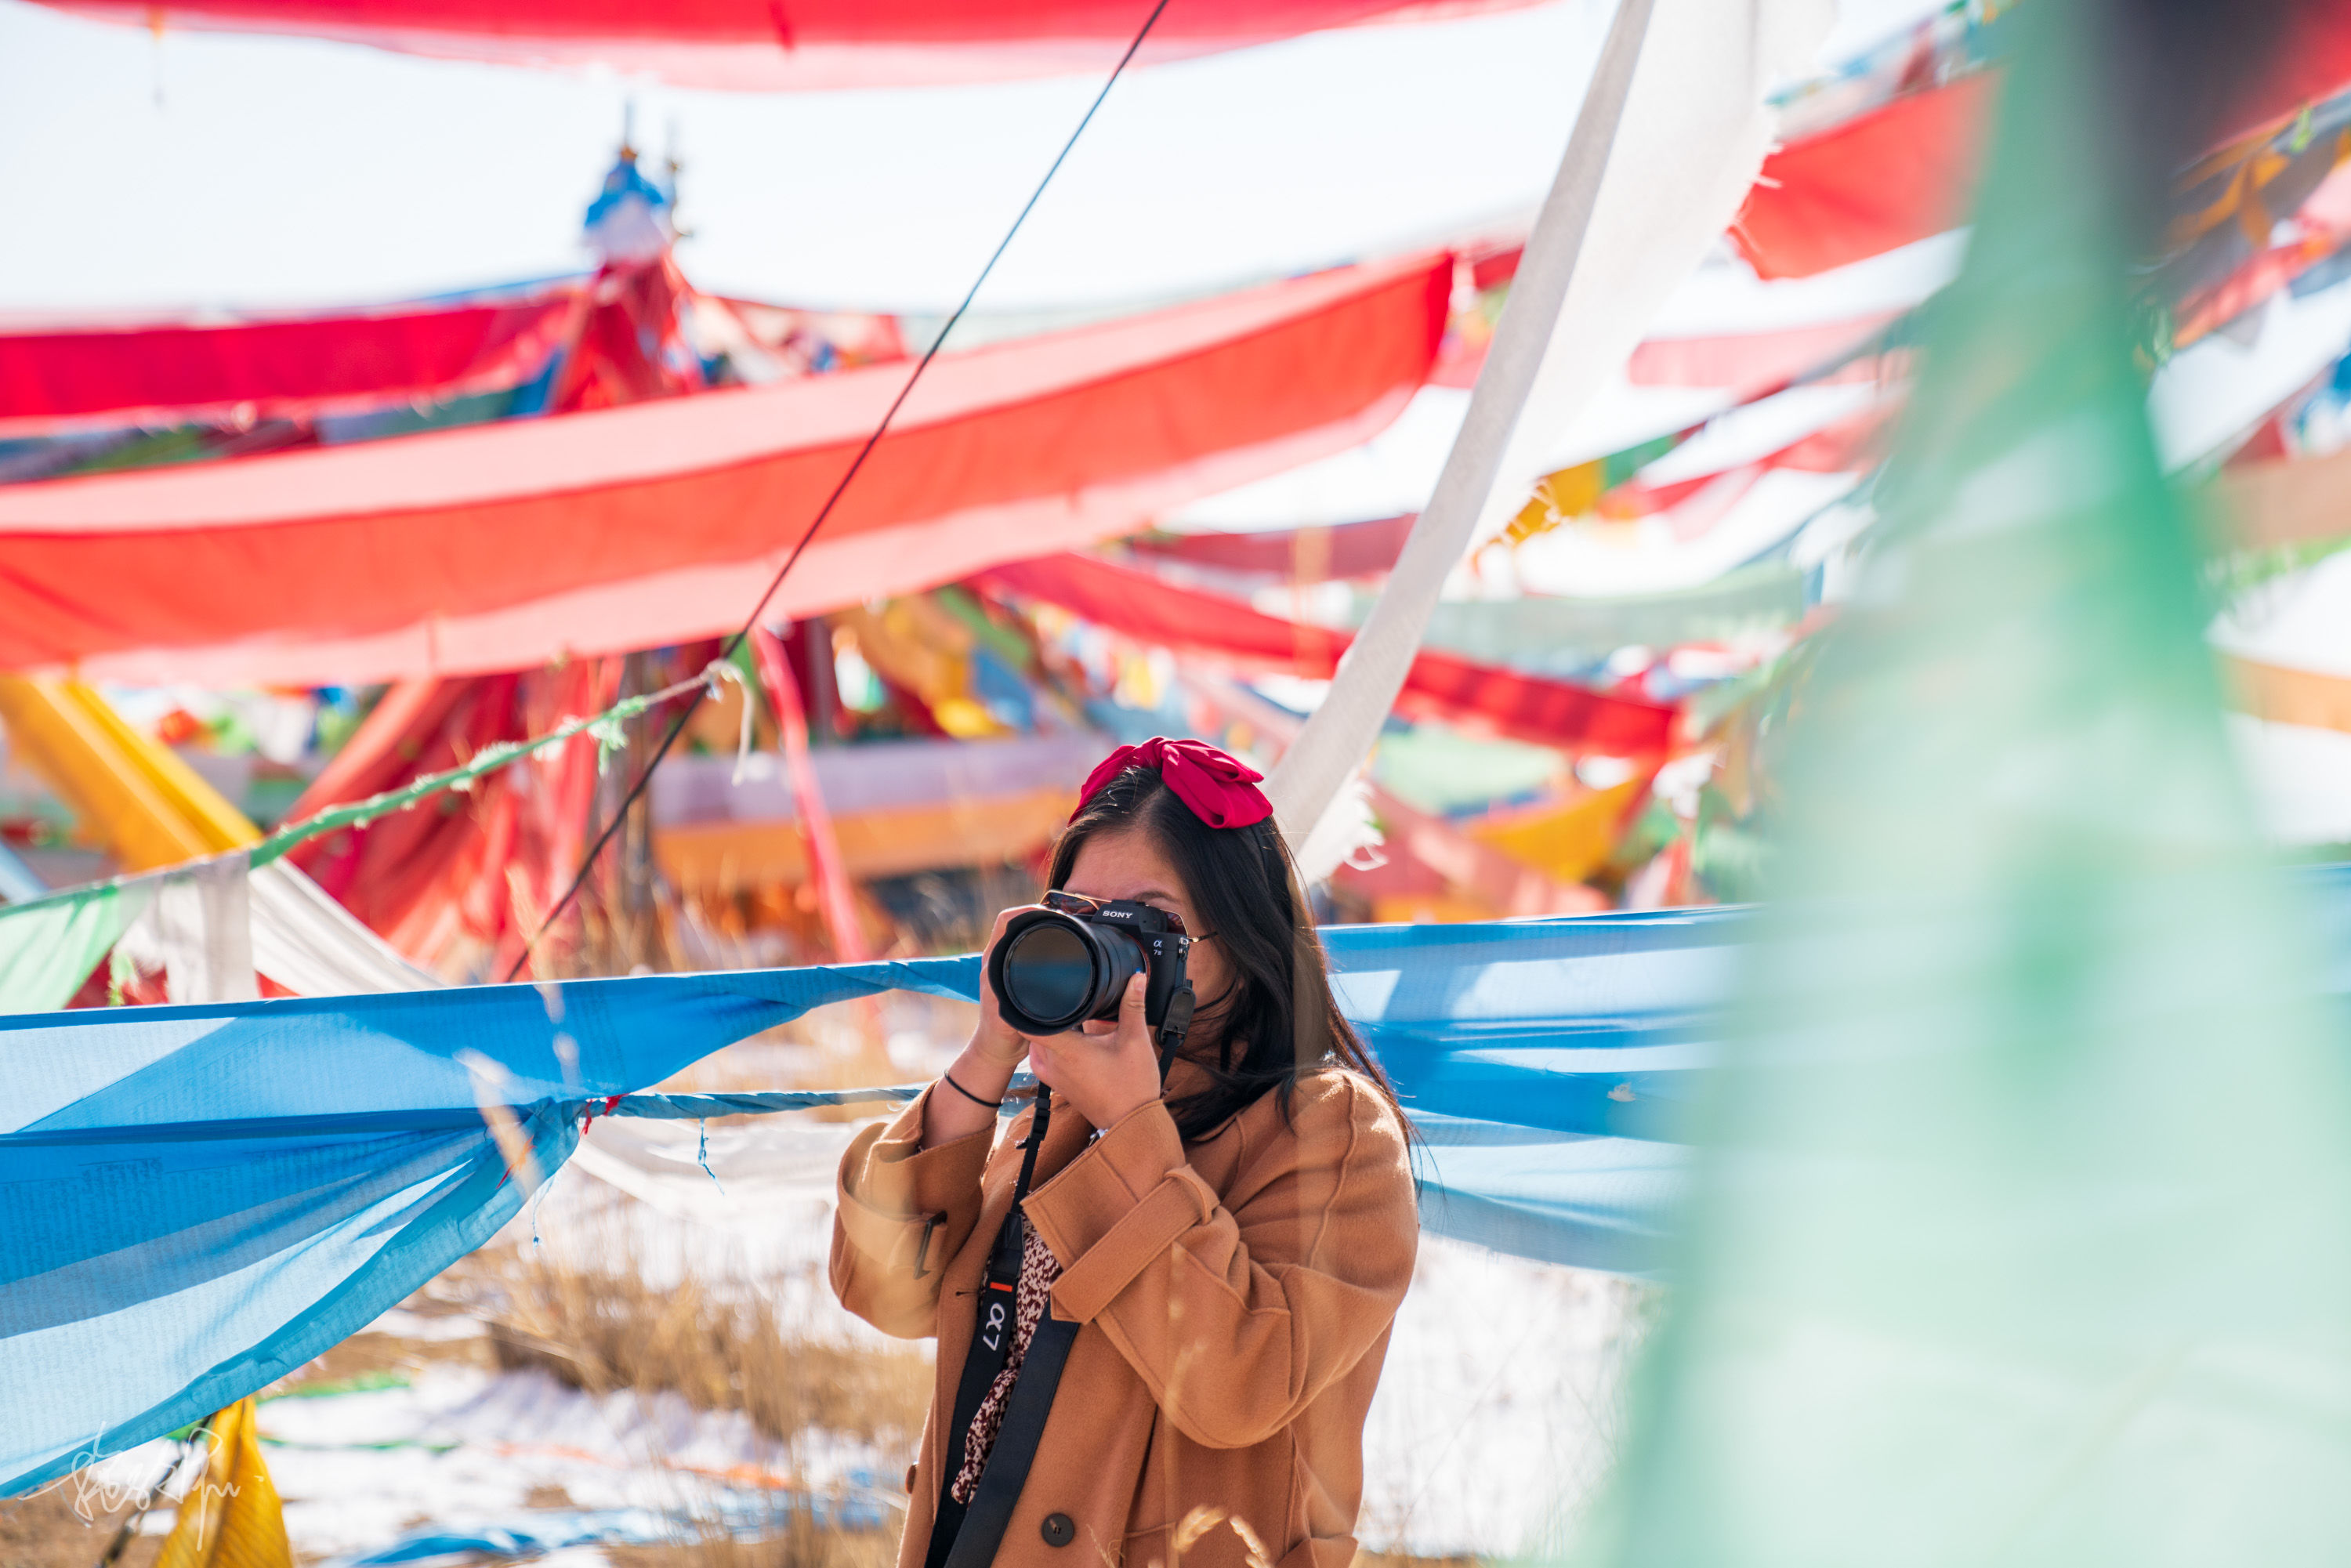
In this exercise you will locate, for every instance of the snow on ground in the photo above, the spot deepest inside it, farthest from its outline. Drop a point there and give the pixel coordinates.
(456, 1447)
(460, 1446)
(1499, 1408)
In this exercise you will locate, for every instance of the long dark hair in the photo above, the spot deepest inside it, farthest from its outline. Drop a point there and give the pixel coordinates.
(1277, 1018)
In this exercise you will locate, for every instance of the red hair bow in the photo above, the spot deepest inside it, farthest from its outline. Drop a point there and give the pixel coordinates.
(1221, 789)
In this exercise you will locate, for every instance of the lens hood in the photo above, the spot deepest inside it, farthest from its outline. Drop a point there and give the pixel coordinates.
(1051, 972)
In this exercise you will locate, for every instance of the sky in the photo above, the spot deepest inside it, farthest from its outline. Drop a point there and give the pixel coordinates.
(226, 170)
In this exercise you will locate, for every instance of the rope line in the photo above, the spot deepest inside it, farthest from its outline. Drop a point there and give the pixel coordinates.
(701, 1107)
(360, 813)
(677, 727)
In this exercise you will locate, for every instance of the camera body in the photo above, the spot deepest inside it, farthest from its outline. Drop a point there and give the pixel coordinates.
(1069, 961)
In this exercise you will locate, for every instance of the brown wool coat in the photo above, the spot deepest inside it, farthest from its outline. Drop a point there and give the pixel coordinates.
(1236, 1295)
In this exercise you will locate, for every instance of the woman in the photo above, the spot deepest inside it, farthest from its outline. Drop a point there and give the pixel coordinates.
(1211, 1266)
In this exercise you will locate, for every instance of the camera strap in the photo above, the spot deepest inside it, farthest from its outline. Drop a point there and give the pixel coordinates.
(1032, 1391)
(1174, 1027)
(982, 1525)
(966, 1535)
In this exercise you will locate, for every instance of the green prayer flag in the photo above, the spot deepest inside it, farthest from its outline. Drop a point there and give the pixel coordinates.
(2022, 1224)
(48, 949)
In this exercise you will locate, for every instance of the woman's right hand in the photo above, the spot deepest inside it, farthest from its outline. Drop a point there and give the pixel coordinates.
(985, 1069)
(995, 1041)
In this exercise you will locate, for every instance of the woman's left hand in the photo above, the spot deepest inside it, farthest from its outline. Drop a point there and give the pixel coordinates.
(1104, 1074)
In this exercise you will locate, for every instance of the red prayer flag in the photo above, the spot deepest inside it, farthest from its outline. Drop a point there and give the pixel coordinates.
(1485, 696)
(505, 546)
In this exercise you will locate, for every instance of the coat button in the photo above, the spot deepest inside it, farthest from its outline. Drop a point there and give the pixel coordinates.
(1057, 1530)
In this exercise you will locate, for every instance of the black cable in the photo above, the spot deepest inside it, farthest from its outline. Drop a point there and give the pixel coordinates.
(677, 728)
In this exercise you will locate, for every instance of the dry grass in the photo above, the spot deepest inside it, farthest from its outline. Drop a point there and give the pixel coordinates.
(608, 1329)
(366, 1353)
(604, 1331)
(801, 1545)
(44, 1530)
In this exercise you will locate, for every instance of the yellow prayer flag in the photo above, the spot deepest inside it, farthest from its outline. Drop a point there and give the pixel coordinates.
(231, 1518)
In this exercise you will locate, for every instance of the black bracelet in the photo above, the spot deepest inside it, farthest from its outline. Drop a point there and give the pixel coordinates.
(948, 1078)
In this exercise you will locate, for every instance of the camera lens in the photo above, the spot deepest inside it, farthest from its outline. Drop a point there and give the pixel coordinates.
(1049, 972)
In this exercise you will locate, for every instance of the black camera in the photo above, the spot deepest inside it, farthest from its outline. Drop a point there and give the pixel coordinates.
(1070, 961)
